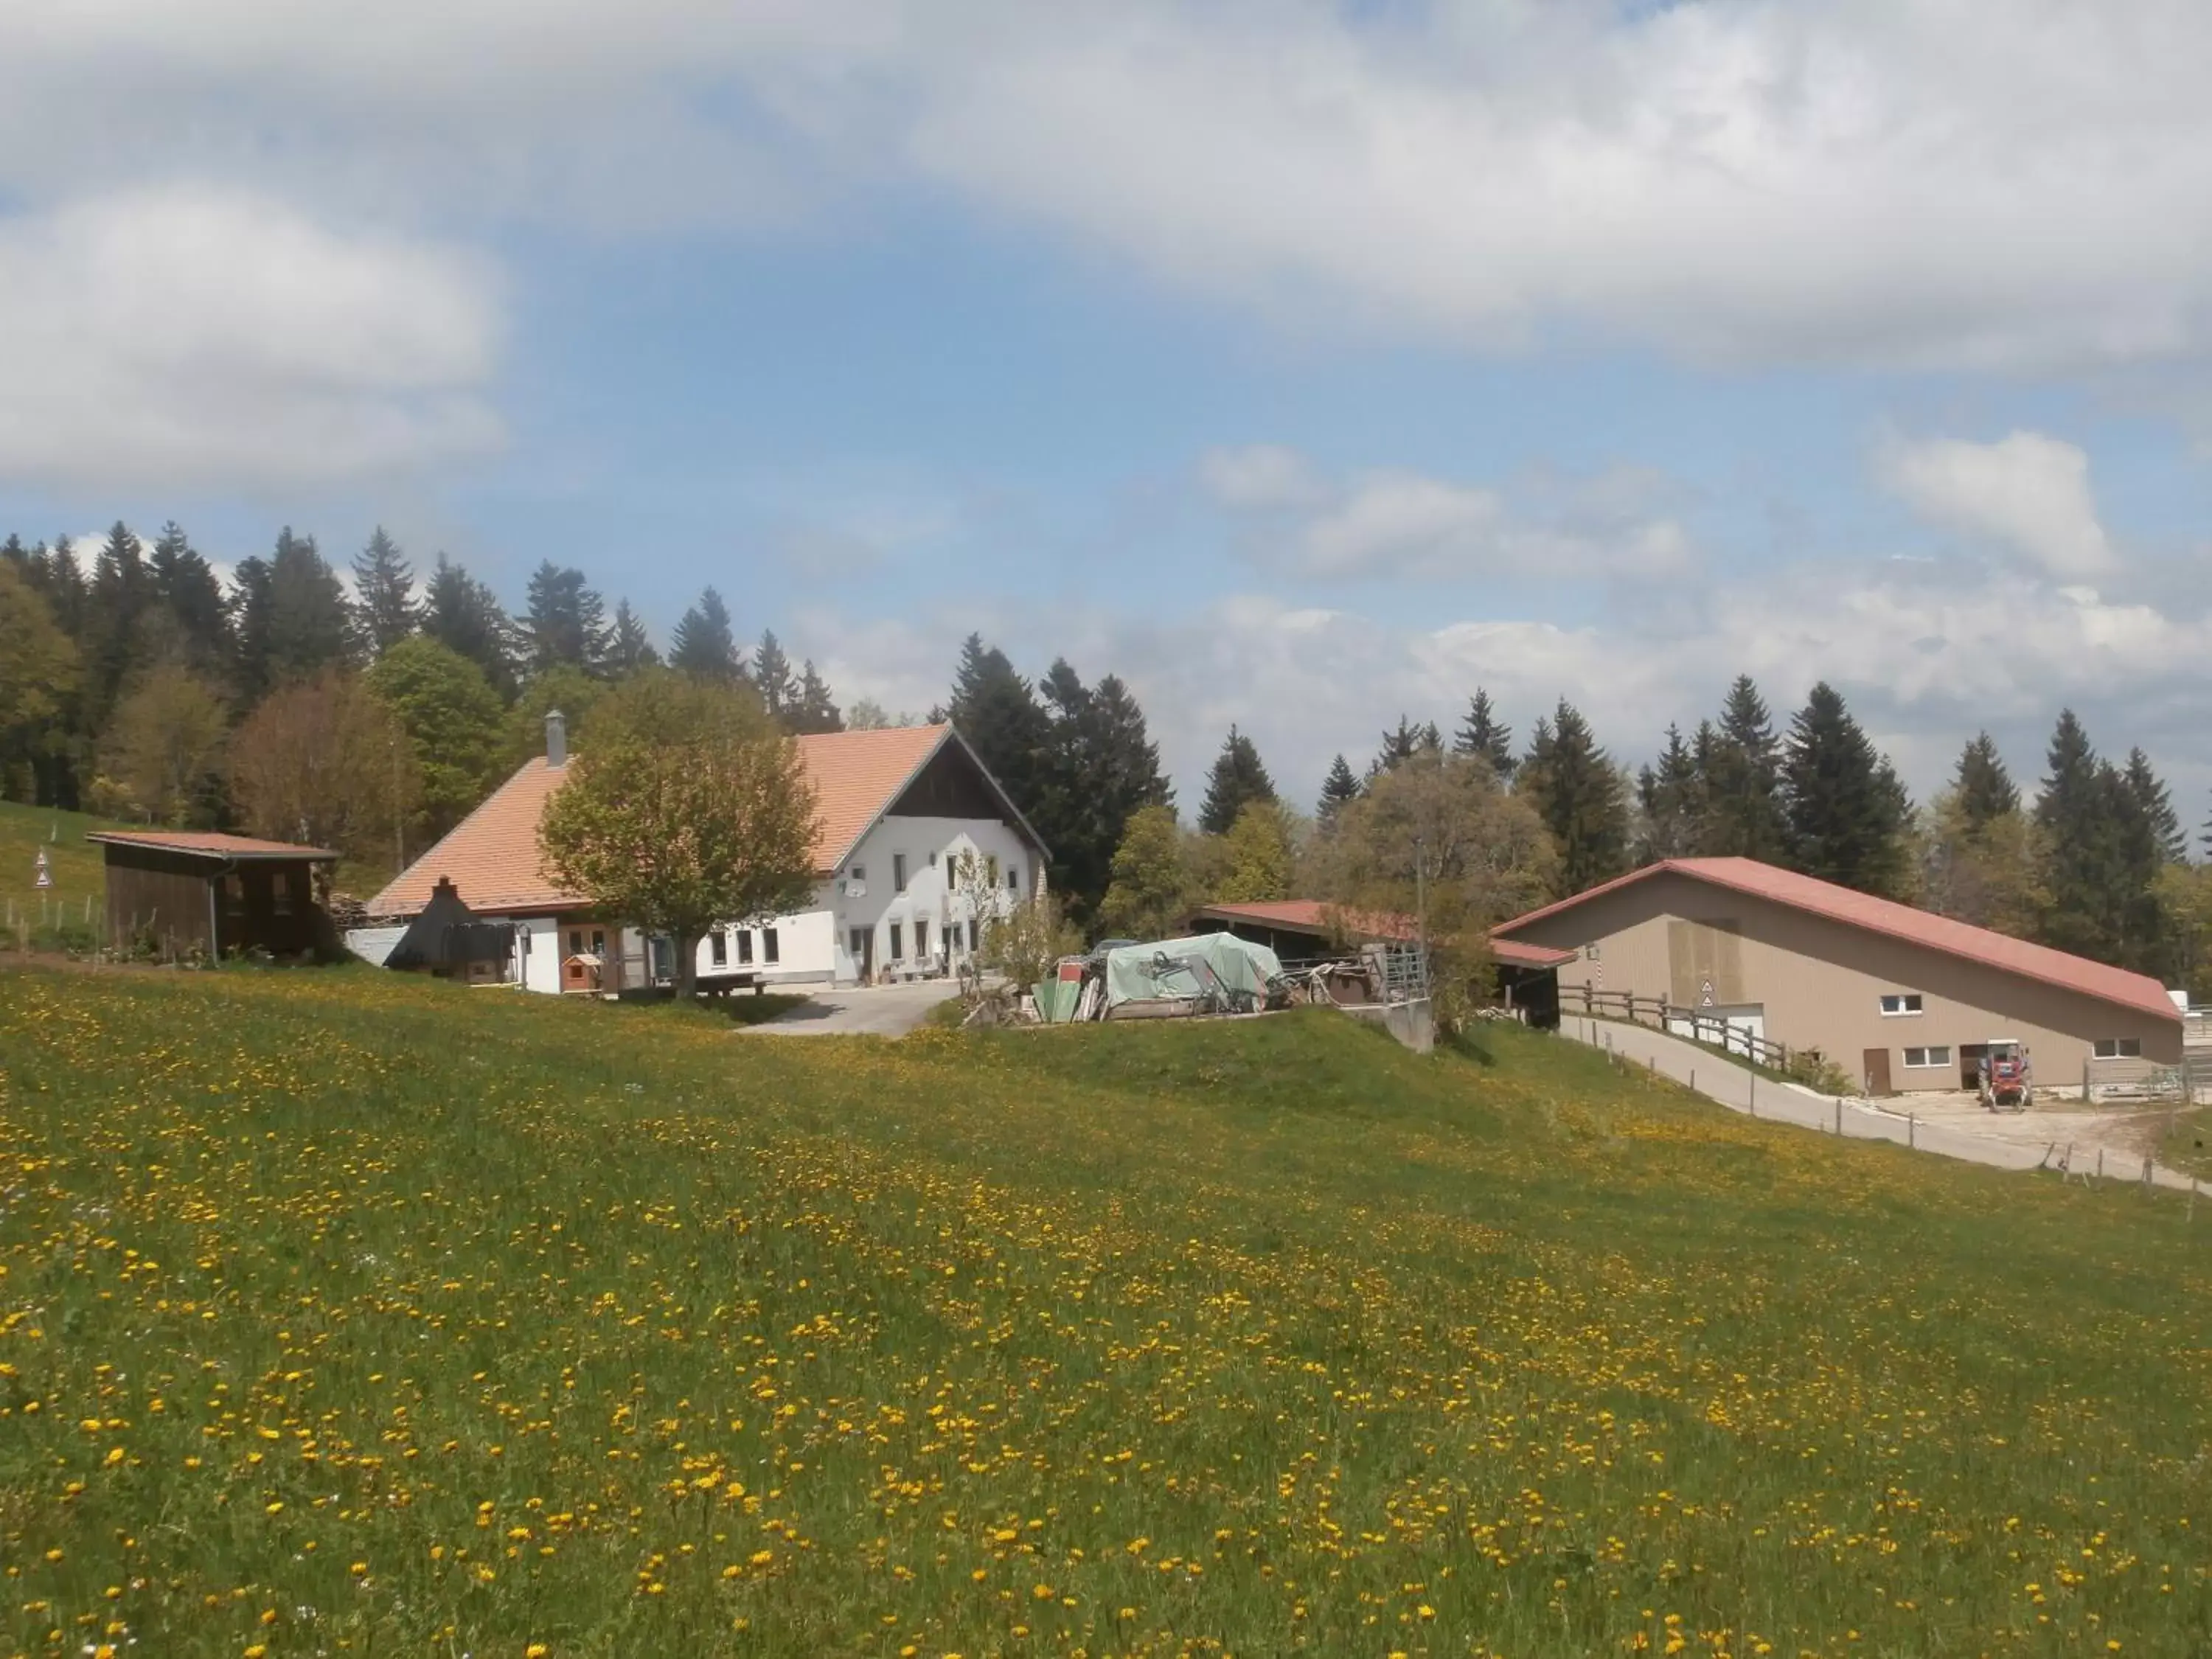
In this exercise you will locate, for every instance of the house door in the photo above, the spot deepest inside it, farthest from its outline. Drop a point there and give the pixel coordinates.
(861, 941)
(1876, 1071)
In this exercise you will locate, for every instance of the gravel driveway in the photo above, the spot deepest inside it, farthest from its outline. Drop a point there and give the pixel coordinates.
(861, 1010)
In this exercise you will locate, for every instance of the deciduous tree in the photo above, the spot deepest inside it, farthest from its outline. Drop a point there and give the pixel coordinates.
(1259, 854)
(163, 751)
(1149, 895)
(455, 724)
(688, 808)
(321, 760)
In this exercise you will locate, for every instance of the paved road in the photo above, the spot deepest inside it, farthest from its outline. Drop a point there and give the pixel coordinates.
(861, 1010)
(1743, 1090)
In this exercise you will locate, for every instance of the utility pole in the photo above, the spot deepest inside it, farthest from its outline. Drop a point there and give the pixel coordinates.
(399, 818)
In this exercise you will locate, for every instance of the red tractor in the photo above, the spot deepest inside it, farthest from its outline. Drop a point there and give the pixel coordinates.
(2008, 1079)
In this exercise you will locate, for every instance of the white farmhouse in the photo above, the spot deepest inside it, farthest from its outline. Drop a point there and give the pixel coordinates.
(914, 838)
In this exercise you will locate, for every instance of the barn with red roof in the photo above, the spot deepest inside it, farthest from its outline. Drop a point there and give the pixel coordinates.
(1900, 999)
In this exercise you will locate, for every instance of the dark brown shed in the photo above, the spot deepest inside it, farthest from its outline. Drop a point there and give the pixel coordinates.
(191, 890)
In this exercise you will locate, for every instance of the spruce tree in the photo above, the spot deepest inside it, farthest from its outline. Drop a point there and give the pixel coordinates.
(1580, 795)
(196, 619)
(2155, 805)
(1984, 789)
(465, 616)
(309, 626)
(122, 594)
(1237, 781)
(1400, 745)
(565, 622)
(383, 595)
(1741, 762)
(249, 624)
(999, 713)
(702, 644)
(1101, 766)
(631, 651)
(1338, 789)
(817, 711)
(1671, 799)
(772, 677)
(1483, 733)
(1847, 812)
(2145, 835)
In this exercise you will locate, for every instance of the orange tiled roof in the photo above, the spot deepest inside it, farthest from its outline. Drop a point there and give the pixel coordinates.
(1311, 916)
(492, 855)
(1881, 916)
(208, 844)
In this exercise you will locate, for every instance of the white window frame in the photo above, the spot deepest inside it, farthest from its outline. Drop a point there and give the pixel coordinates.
(1910, 1005)
(2117, 1047)
(1934, 1057)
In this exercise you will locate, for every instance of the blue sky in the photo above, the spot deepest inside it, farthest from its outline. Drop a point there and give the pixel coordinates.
(1303, 364)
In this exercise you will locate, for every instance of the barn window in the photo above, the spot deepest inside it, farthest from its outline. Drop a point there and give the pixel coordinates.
(280, 892)
(2119, 1047)
(1589, 954)
(1894, 1003)
(1918, 1059)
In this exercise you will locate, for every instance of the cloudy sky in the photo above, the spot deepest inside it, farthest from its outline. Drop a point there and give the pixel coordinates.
(1303, 363)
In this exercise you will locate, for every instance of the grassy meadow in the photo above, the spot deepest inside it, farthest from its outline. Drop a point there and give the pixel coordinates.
(346, 1313)
(75, 863)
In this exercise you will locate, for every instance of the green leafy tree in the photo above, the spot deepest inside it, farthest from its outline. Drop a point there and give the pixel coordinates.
(1483, 733)
(1581, 798)
(564, 687)
(1238, 780)
(383, 595)
(1744, 813)
(321, 760)
(1338, 789)
(1149, 895)
(39, 669)
(689, 809)
(455, 724)
(465, 616)
(1848, 813)
(1438, 828)
(1260, 854)
(1979, 866)
(163, 751)
(1026, 943)
(632, 649)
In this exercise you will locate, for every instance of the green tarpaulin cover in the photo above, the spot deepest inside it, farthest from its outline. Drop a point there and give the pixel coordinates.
(1183, 969)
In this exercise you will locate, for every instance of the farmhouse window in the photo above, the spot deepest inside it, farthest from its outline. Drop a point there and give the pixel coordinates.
(575, 941)
(718, 947)
(921, 937)
(744, 945)
(1896, 1003)
(898, 875)
(1916, 1059)
(1013, 879)
(898, 950)
(767, 946)
(2119, 1047)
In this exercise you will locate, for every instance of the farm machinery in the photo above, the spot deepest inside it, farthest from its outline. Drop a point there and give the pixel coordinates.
(2007, 1080)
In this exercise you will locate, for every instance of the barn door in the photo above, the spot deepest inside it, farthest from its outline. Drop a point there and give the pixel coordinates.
(1876, 1071)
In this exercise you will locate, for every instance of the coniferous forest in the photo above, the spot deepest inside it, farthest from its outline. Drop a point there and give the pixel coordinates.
(372, 715)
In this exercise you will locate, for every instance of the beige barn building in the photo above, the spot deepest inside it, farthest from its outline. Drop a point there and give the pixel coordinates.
(1901, 999)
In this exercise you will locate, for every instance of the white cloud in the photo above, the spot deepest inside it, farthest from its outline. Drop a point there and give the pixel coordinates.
(2025, 492)
(1948, 183)
(1395, 524)
(188, 334)
(1924, 660)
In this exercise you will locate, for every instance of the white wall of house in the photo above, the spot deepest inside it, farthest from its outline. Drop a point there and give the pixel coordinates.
(815, 946)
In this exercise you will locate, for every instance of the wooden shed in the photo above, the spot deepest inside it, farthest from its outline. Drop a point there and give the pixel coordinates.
(193, 890)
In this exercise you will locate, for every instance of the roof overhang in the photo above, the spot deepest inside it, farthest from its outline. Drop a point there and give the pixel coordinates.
(226, 856)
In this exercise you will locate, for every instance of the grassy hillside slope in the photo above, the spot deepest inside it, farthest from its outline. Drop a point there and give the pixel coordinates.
(347, 1313)
(74, 862)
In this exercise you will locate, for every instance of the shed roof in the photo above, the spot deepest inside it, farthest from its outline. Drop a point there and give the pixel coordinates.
(1900, 921)
(1314, 916)
(492, 855)
(208, 844)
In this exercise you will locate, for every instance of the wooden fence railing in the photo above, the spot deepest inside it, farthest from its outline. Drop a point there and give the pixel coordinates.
(1698, 1026)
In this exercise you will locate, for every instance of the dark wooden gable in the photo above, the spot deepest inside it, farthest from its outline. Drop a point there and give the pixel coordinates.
(951, 785)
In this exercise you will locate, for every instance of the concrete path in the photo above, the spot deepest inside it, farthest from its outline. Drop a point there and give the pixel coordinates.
(1724, 1080)
(861, 1010)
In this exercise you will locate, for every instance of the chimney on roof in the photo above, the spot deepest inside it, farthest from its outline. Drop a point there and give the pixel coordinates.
(556, 738)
